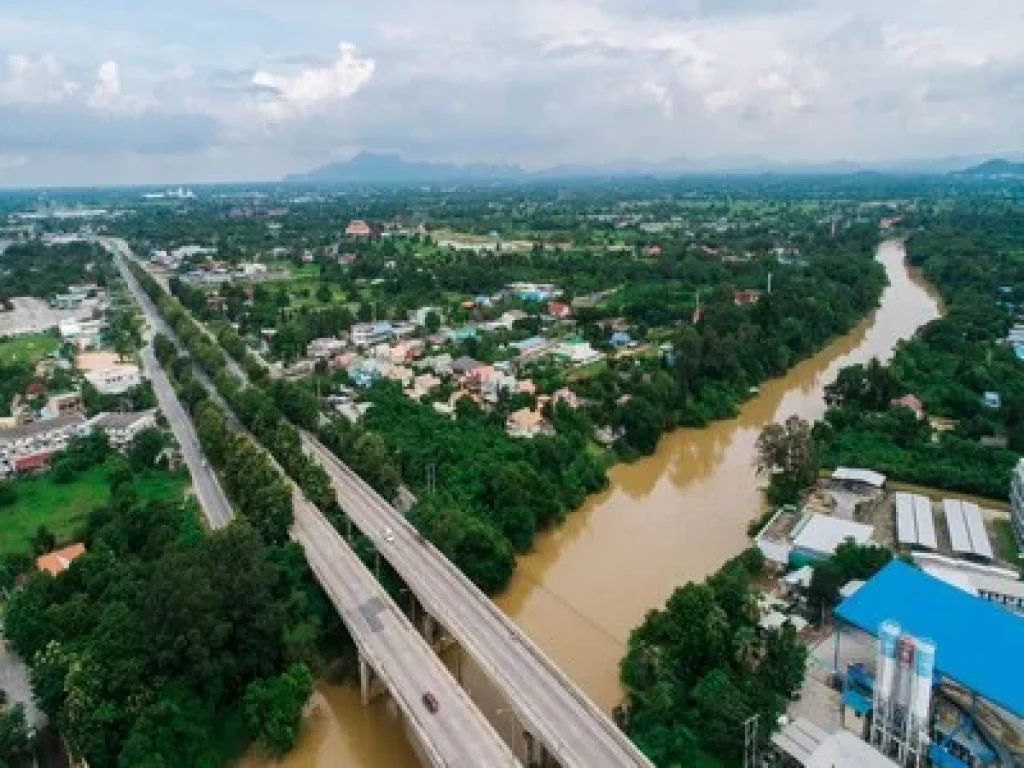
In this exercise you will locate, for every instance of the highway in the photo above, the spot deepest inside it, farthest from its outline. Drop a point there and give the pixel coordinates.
(457, 735)
(575, 731)
(208, 489)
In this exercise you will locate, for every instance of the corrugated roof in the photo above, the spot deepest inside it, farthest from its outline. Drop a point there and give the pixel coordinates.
(967, 533)
(914, 522)
(41, 427)
(977, 643)
(849, 474)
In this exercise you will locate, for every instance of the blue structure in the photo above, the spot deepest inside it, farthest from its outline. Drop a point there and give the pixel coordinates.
(978, 644)
(991, 400)
(620, 339)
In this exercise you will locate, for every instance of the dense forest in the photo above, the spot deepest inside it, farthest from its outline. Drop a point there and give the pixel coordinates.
(148, 650)
(975, 256)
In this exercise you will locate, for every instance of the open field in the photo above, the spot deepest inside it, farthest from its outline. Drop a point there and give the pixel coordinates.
(33, 315)
(26, 349)
(63, 508)
(94, 361)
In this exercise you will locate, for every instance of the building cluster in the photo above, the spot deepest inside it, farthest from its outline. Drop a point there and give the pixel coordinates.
(29, 447)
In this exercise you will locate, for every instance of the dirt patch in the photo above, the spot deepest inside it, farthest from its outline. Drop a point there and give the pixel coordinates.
(95, 361)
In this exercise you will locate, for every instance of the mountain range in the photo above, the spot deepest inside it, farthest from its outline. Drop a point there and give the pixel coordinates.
(374, 168)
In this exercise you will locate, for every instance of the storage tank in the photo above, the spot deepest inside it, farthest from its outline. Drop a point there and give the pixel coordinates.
(905, 673)
(924, 667)
(888, 638)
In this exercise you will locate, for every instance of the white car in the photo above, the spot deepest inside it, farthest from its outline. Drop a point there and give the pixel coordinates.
(389, 536)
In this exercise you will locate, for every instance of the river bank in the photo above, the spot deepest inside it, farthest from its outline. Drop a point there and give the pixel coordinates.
(666, 519)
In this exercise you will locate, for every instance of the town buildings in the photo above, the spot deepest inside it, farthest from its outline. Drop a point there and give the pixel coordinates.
(115, 380)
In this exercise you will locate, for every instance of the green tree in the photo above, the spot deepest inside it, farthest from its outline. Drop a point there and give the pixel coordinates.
(15, 741)
(8, 493)
(273, 708)
(432, 322)
(146, 447)
(788, 454)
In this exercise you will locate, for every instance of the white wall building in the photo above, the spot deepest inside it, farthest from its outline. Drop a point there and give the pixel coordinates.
(123, 428)
(41, 436)
(115, 380)
(368, 334)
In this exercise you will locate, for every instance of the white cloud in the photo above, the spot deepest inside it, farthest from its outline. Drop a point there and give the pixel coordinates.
(106, 92)
(290, 96)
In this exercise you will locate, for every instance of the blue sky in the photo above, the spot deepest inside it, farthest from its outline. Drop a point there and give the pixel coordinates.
(119, 91)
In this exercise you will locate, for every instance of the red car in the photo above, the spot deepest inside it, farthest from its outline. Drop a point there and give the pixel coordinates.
(430, 702)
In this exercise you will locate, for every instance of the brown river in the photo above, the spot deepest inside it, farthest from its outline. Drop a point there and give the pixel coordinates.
(664, 520)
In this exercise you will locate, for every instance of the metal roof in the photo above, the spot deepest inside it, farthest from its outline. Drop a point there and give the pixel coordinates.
(977, 642)
(914, 523)
(41, 427)
(867, 476)
(967, 533)
(823, 533)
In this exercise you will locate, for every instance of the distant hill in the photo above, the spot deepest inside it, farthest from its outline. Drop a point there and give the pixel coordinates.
(997, 167)
(377, 168)
(369, 167)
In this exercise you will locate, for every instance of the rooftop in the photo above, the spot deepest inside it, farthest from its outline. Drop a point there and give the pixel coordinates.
(40, 427)
(977, 642)
(118, 420)
(59, 560)
(822, 533)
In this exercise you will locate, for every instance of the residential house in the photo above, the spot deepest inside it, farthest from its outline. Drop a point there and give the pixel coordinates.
(652, 251)
(559, 310)
(115, 380)
(910, 401)
(64, 404)
(991, 400)
(577, 351)
(397, 373)
(358, 228)
(363, 372)
(423, 385)
(620, 339)
(324, 348)
(535, 346)
(84, 334)
(464, 366)
(347, 259)
(526, 423)
(122, 428)
(48, 436)
(60, 560)
(745, 297)
(368, 334)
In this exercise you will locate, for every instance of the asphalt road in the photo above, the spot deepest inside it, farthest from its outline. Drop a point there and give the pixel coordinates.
(457, 735)
(208, 489)
(547, 702)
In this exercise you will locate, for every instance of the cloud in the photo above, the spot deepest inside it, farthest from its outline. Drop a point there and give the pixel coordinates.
(289, 96)
(107, 91)
(250, 90)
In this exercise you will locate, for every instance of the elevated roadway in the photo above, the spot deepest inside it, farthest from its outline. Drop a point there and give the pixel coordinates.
(550, 706)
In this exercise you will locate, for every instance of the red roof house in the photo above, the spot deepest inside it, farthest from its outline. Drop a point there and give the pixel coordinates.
(358, 228)
(910, 401)
(559, 310)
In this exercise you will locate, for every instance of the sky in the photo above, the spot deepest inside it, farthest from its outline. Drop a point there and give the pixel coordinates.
(135, 91)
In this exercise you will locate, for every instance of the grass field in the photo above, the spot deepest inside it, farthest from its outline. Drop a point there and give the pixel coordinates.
(26, 349)
(64, 508)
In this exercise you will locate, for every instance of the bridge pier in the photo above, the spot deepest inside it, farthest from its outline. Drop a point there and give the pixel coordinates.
(368, 683)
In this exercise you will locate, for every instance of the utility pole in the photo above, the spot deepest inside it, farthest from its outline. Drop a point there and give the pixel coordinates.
(750, 742)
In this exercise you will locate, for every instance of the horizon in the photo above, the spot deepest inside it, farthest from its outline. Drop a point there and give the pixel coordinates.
(246, 91)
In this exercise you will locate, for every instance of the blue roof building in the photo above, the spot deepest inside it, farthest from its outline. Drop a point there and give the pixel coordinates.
(620, 339)
(991, 400)
(978, 643)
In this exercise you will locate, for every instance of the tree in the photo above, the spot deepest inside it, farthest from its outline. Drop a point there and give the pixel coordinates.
(171, 730)
(8, 493)
(15, 741)
(146, 447)
(323, 293)
(43, 541)
(788, 454)
(643, 422)
(273, 708)
(432, 322)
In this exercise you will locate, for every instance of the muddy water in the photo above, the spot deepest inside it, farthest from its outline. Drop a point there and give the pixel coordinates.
(670, 518)
(679, 514)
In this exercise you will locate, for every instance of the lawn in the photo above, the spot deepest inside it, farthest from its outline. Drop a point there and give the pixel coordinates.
(26, 349)
(63, 508)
